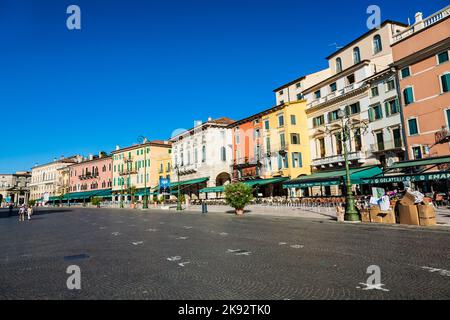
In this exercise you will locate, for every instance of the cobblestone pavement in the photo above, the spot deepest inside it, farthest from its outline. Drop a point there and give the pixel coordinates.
(134, 254)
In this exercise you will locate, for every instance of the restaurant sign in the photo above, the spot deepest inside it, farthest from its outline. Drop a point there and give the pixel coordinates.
(312, 184)
(410, 178)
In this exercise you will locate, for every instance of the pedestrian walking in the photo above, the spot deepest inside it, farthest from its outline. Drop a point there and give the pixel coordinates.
(29, 212)
(10, 209)
(22, 213)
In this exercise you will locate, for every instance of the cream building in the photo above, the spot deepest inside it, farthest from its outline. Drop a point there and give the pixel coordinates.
(15, 187)
(45, 178)
(202, 157)
(354, 70)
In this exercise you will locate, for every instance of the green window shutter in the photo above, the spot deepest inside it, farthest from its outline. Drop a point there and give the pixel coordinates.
(387, 109)
(412, 124)
(396, 105)
(408, 95)
(445, 79)
(443, 57)
(448, 117)
(371, 115)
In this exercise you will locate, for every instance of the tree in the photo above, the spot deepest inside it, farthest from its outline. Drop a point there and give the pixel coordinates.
(95, 201)
(238, 195)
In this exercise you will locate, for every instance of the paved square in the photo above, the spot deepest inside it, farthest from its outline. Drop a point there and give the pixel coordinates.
(132, 254)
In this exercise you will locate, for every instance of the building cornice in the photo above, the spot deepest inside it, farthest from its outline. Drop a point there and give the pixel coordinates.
(337, 76)
(338, 99)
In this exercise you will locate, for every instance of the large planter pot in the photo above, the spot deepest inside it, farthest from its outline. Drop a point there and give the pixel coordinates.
(239, 212)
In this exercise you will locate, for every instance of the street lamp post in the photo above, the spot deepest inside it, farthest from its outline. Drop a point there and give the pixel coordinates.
(145, 203)
(179, 208)
(351, 214)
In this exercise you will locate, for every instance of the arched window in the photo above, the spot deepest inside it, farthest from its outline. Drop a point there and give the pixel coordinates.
(356, 55)
(377, 46)
(338, 65)
(203, 154)
(223, 154)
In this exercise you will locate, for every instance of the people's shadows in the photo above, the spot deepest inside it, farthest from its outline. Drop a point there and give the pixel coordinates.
(36, 212)
(234, 212)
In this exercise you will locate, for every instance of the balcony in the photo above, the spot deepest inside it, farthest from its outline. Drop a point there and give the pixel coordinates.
(336, 94)
(88, 176)
(423, 23)
(246, 162)
(338, 160)
(128, 172)
(387, 146)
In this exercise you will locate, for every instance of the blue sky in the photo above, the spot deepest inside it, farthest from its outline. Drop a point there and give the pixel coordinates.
(150, 67)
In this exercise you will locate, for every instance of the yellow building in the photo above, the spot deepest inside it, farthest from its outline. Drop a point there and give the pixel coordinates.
(138, 166)
(286, 141)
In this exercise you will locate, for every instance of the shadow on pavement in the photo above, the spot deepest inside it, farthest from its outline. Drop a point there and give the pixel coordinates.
(36, 212)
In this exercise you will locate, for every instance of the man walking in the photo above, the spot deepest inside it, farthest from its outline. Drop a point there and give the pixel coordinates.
(22, 213)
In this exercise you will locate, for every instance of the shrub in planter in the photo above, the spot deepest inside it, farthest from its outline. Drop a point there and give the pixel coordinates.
(96, 201)
(238, 195)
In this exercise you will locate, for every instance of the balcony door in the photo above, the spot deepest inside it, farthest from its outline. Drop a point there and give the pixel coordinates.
(380, 141)
(396, 134)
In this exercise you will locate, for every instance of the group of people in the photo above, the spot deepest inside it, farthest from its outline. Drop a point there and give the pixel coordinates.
(25, 210)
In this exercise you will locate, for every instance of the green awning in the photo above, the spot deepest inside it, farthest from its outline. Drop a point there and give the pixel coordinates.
(213, 189)
(88, 194)
(104, 193)
(440, 175)
(420, 162)
(330, 178)
(251, 183)
(188, 182)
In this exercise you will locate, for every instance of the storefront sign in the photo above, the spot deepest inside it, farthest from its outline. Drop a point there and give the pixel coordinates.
(410, 178)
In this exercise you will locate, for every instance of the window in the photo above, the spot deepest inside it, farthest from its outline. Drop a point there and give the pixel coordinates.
(358, 140)
(333, 115)
(266, 124)
(299, 96)
(377, 46)
(412, 125)
(408, 95)
(417, 152)
(351, 79)
(298, 85)
(391, 107)
(445, 81)
(448, 116)
(282, 141)
(293, 119)
(356, 56)
(317, 94)
(280, 121)
(390, 85)
(333, 87)
(195, 156)
(396, 134)
(353, 109)
(280, 93)
(281, 101)
(319, 121)
(375, 113)
(203, 154)
(338, 139)
(295, 138)
(338, 65)
(321, 142)
(374, 91)
(297, 160)
(405, 72)
(442, 57)
(268, 145)
(237, 137)
(223, 154)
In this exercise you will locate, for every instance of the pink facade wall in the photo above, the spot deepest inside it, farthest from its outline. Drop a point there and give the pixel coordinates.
(91, 175)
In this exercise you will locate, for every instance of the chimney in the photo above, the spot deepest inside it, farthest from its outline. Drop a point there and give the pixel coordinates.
(418, 16)
(54, 159)
(197, 123)
(209, 118)
(117, 147)
(62, 157)
(91, 156)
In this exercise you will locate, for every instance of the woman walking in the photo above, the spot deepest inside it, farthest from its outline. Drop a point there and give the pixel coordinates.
(29, 212)
(22, 213)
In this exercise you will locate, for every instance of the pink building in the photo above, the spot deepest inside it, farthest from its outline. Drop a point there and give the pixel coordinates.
(90, 175)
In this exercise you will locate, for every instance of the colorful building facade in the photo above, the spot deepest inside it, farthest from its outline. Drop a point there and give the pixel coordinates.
(138, 167)
(421, 58)
(94, 173)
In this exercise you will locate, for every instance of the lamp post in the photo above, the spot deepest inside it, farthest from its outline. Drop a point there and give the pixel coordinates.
(145, 203)
(351, 214)
(179, 208)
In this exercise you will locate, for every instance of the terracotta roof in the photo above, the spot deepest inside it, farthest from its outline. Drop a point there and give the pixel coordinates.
(223, 120)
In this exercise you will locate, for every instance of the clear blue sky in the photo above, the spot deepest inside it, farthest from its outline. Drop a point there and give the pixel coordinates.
(149, 67)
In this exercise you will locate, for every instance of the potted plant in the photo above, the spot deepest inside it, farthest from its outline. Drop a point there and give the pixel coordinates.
(238, 195)
(96, 201)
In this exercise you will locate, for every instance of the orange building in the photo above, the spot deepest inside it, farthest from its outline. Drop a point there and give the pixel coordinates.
(421, 58)
(247, 152)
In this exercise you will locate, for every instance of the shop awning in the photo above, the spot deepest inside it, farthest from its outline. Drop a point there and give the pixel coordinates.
(251, 183)
(188, 182)
(88, 194)
(333, 178)
(428, 176)
(141, 192)
(420, 162)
